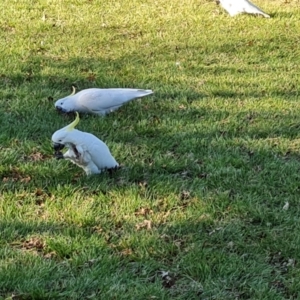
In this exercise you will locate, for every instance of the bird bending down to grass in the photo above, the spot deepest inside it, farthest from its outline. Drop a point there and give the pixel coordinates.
(84, 149)
(234, 7)
(99, 101)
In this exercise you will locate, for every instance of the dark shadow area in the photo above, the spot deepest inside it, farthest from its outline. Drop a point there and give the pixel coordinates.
(231, 171)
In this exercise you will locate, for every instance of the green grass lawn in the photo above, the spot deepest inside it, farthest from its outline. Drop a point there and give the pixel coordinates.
(210, 160)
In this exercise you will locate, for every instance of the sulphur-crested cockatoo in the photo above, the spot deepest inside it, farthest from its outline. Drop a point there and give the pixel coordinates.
(234, 7)
(99, 101)
(84, 149)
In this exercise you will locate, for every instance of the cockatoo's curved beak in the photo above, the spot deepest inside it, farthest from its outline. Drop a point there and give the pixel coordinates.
(58, 146)
(60, 109)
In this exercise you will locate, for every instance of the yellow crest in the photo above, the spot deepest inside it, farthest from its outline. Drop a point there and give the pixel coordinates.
(73, 90)
(74, 123)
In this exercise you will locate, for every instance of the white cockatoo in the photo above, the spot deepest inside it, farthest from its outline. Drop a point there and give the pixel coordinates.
(234, 7)
(84, 149)
(99, 101)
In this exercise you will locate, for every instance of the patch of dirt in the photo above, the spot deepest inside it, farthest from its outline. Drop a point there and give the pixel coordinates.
(16, 175)
(37, 156)
(143, 211)
(146, 224)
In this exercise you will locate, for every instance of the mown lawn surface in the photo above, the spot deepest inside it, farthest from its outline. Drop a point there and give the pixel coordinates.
(206, 205)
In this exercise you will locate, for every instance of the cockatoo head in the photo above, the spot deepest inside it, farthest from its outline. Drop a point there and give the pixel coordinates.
(63, 137)
(66, 104)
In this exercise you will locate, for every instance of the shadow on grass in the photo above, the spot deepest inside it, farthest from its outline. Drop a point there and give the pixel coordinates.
(177, 156)
(207, 164)
(175, 259)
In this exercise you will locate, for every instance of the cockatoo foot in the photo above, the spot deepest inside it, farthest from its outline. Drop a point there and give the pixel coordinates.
(58, 155)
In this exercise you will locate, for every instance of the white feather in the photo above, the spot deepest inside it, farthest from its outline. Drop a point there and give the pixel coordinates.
(85, 150)
(234, 7)
(99, 101)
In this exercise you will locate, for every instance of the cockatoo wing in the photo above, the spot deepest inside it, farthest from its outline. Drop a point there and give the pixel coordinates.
(234, 7)
(250, 8)
(101, 156)
(102, 101)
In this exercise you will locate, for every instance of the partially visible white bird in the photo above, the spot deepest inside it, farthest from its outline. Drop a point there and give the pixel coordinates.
(84, 149)
(234, 7)
(99, 101)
